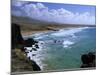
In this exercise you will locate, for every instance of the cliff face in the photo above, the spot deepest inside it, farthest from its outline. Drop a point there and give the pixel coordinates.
(19, 60)
(16, 37)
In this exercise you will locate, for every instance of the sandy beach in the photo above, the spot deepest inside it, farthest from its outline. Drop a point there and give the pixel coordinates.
(27, 31)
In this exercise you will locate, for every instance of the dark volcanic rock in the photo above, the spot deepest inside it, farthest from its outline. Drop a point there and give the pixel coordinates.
(36, 46)
(35, 66)
(88, 60)
(29, 42)
(16, 37)
(34, 49)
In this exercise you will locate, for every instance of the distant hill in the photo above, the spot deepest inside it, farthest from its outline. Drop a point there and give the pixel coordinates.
(36, 25)
(29, 21)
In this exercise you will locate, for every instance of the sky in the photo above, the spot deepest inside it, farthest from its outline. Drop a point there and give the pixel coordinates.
(54, 12)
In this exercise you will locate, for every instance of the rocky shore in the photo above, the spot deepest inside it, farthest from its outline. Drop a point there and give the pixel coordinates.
(19, 60)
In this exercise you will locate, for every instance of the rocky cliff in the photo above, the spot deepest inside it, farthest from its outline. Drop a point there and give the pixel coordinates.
(19, 60)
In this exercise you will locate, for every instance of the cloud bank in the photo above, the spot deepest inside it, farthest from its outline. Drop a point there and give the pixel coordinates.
(41, 12)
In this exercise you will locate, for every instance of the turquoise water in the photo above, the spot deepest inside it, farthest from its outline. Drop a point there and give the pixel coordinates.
(63, 49)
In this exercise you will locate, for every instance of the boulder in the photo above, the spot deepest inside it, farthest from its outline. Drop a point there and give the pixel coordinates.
(88, 60)
(36, 46)
(29, 42)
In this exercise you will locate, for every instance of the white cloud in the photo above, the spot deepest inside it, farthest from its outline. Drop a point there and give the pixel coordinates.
(61, 15)
(40, 5)
(17, 3)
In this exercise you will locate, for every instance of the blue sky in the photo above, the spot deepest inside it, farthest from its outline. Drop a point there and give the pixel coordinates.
(55, 12)
(72, 7)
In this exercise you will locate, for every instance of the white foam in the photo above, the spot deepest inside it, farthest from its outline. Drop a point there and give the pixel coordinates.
(68, 32)
(28, 48)
(66, 43)
(40, 36)
(37, 57)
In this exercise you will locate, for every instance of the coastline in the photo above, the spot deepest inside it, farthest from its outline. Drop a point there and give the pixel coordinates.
(37, 53)
(32, 32)
(20, 61)
(25, 33)
(36, 56)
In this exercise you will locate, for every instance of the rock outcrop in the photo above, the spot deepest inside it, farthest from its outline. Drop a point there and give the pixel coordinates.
(19, 60)
(88, 60)
(16, 37)
(29, 42)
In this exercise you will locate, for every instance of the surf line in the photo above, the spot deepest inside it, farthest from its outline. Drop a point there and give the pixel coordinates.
(33, 53)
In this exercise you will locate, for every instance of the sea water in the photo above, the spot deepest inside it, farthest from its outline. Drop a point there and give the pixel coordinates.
(63, 49)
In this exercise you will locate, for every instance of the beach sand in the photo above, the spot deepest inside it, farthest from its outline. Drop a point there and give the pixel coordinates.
(28, 31)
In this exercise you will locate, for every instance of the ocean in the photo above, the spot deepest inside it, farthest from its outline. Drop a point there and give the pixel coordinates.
(63, 49)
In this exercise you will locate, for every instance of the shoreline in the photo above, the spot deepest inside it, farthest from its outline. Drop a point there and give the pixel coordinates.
(38, 52)
(26, 33)
(32, 32)
(35, 55)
